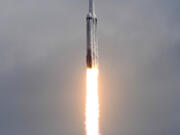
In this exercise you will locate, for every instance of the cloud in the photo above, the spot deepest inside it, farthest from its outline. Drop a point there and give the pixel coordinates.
(42, 53)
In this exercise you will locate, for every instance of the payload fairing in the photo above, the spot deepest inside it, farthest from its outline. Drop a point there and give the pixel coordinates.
(92, 49)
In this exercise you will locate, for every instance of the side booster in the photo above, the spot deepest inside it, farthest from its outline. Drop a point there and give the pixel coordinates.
(92, 54)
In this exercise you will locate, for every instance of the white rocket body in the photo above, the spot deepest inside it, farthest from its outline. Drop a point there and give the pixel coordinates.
(92, 52)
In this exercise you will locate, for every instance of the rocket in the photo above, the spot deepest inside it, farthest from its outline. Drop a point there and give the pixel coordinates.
(91, 20)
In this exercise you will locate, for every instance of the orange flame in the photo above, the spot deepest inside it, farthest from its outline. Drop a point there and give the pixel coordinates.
(92, 103)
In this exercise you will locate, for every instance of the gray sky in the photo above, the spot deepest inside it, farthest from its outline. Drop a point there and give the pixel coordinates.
(42, 67)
